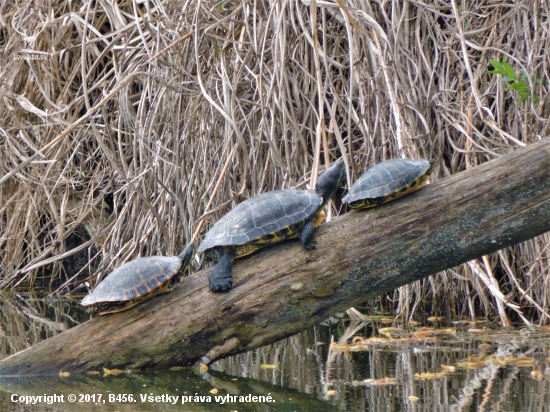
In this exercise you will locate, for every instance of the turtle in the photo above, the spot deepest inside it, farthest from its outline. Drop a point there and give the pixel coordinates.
(138, 280)
(387, 181)
(266, 219)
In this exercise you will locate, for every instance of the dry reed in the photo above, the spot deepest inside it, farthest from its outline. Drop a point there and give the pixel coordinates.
(119, 116)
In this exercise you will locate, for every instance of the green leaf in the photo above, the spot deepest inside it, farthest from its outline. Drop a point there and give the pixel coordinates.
(508, 79)
(519, 83)
(520, 87)
(508, 70)
(499, 69)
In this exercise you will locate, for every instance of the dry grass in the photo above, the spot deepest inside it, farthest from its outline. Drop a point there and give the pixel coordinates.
(125, 117)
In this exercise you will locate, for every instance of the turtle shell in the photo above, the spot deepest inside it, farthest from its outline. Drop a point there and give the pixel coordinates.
(264, 219)
(387, 181)
(133, 282)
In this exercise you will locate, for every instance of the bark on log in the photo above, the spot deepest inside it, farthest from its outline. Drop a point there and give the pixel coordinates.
(285, 289)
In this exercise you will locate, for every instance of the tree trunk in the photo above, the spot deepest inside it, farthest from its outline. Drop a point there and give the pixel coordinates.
(285, 289)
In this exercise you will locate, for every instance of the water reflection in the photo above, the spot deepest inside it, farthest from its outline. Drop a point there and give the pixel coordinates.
(161, 390)
(26, 320)
(370, 366)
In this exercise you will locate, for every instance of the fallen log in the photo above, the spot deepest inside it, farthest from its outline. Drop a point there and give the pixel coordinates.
(285, 289)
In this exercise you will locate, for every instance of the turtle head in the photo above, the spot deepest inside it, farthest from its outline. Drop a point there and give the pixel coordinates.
(187, 255)
(330, 180)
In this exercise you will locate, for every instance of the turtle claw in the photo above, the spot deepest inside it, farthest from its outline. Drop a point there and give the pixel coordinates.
(311, 245)
(220, 282)
(220, 278)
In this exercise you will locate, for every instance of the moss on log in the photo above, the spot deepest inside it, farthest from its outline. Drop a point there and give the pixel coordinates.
(285, 289)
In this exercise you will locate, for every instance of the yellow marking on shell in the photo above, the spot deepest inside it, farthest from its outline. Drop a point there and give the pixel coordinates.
(127, 305)
(289, 232)
(410, 188)
(131, 303)
(245, 250)
(248, 248)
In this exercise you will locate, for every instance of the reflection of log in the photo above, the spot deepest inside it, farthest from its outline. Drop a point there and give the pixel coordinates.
(285, 289)
(176, 383)
(23, 325)
(33, 315)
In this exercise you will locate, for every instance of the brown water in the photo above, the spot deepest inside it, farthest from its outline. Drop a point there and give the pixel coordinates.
(381, 365)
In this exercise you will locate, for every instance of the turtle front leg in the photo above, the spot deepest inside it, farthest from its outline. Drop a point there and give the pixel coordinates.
(220, 278)
(307, 233)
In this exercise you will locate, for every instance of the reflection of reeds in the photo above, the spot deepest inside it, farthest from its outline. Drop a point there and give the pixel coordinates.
(24, 323)
(138, 168)
(365, 372)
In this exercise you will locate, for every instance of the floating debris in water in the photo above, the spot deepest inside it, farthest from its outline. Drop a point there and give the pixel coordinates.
(381, 382)
(446, 331)
(472, 362)
(113, 372)
(390, 329)
(429, 375)
(475, 362)
(521, 361)
(468, 321)
(342, 347)
(448, 368)
(269, 366)
(537, 374)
